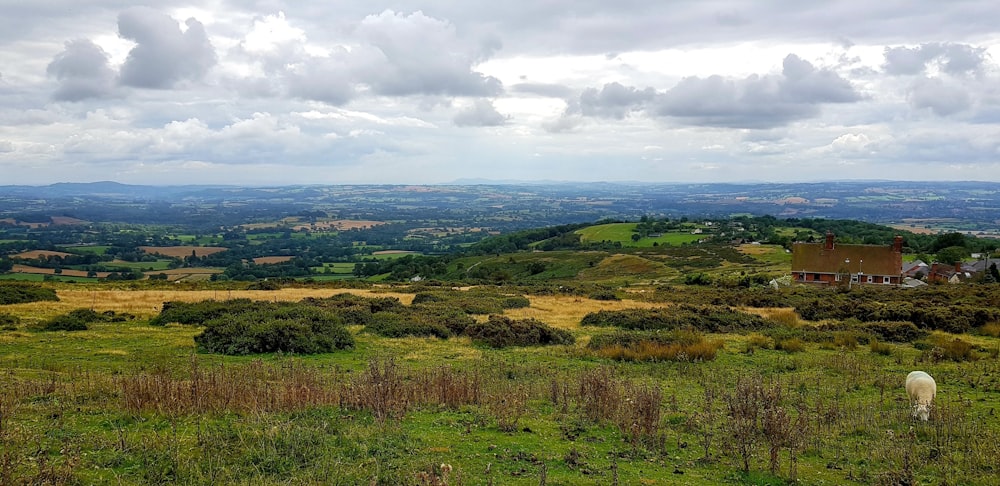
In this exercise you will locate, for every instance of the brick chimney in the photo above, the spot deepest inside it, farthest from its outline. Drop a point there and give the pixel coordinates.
(829, 241)
(958, 267)
(897, 244)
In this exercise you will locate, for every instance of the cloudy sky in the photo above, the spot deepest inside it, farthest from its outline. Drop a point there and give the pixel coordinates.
(264, 92)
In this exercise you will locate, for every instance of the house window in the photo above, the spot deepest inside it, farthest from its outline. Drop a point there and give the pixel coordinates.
(871, 279)
(886, 280)
(854, 278)
(837, 277)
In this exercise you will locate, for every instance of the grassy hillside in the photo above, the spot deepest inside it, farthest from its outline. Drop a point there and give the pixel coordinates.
(132, 403)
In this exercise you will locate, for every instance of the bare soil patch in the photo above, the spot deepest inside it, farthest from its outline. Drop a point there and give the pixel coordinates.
(271, 260)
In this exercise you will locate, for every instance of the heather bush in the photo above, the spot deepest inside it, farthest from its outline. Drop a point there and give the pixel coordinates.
(502, 331)
(79, 319)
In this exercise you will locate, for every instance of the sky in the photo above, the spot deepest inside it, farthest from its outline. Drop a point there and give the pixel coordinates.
(274, 92)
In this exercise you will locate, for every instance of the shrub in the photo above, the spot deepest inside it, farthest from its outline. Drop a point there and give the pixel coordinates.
(502, 331)
(515, 302)
(78, 319)
(951, 348)
(264, 332)
(19, 293)
(679, 346)
(755, 341)
(604, 295)
(390, 324)
(9, 322)
(792, 345)
(197, 313)
(894, 331)
(880, 348)
(990, 329)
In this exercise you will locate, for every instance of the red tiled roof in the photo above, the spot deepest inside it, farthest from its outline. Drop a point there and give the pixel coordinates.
(865, 259)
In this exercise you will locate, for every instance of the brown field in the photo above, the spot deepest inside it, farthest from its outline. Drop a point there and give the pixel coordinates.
(920, 230)
(51, 271)
(66, 220)
(188, 274)
(37, 253)
(271, 259)
(181, 251)
(337, 224)
(14, 222)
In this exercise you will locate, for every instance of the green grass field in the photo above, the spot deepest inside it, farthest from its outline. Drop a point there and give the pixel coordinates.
(622, 232)
(95, 249)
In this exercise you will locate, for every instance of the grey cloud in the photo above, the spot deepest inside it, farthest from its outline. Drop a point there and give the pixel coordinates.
(164, 54)
(942, 98)
(952, 58)
(542, 89)
(482, 113)
(423, 55)
(329, 80)
(757, 101)
(614, 100)
(82, 71)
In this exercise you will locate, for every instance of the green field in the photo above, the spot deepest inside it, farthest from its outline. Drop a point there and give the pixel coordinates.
(622, 233)
(95, 249)
(336, 268)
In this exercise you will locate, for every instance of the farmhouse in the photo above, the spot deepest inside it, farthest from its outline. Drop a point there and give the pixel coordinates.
(829, 263)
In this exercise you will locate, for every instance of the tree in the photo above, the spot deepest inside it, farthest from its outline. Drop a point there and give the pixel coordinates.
(952, 254)
(948, 240)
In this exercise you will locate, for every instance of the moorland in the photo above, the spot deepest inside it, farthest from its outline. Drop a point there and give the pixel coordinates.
(488, 335)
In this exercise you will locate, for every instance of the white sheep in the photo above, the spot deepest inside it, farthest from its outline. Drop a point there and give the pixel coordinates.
(921, 389)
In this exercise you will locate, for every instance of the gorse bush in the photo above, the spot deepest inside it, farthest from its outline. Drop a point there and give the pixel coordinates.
(19, 293)
(502, 331)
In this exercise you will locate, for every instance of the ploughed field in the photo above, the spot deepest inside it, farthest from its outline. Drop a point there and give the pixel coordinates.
(659, 385)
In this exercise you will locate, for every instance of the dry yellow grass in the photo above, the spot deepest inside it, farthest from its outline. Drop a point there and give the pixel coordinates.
(565, 312)
(147, 303)
(784, 315)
